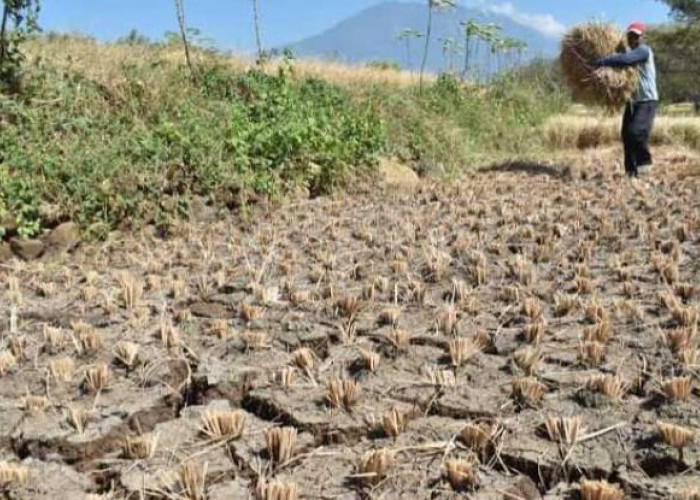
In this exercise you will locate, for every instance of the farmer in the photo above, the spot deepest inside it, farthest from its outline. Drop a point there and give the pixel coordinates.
(640, 111)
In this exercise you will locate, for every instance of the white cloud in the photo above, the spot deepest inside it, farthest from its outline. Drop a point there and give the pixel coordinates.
(546, 24)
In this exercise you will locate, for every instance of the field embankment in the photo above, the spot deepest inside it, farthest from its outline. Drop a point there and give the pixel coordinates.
(113, 135)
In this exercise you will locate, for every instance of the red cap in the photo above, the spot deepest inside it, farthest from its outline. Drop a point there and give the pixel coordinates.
(638, 28)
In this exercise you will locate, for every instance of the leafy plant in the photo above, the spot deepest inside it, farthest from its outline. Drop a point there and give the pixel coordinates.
(19, 20)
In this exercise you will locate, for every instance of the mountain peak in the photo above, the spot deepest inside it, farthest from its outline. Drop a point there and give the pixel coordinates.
(373, 35)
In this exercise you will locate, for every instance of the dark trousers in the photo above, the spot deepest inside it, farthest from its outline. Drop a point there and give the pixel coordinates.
(636, 130)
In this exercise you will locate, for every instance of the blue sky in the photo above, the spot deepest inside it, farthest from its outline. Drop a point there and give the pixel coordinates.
(228, 22)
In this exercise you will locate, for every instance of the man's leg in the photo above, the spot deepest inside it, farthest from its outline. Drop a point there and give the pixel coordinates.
(641, 128)
(630, 166)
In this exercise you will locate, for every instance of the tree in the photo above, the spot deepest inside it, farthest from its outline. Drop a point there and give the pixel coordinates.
(677, 51)
(180, 11)
(450, 47)
(406, 35)
(432, 6)
(256, 24)
(684, 10)
(19, 19)
(472, 29)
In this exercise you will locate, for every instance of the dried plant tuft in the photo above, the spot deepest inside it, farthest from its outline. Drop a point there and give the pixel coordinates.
(375, 465)
(280, 443)
(591, 353)
(141, 447)
(528, 391)
(13, 475)
(677, 389)
(223, 424)
(394, 423)
(462, 474)
(564, 430)
(462, 350)
(600, 490)
(528, 359)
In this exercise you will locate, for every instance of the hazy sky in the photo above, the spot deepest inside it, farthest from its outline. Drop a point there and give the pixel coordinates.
(229, 22)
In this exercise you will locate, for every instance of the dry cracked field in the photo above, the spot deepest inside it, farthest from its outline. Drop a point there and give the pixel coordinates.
(527, 332)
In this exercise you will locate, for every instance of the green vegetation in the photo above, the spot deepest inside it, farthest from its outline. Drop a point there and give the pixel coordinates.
(91, 151)
(677, 48)
(19, 20)
(124, 136)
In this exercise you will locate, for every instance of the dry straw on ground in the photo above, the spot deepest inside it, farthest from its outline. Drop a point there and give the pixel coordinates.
(581, 47)
(582, 132)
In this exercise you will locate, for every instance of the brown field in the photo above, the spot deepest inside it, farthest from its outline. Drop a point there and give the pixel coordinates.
(522, 333)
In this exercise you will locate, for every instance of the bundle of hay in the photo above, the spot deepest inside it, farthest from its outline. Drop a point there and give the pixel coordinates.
(581, 47)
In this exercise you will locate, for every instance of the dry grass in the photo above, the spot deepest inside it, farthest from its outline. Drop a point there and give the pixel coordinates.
(7, 362)
(193, 479)
(612, 386)
(580, 48)
(370, 359)
(394, 423)
(375, 465)
(265, 490)
(96, 378)
(591, 353)
(677, 389)
(78, 418)
(528, 391)
(582, 132)
(342, 393)
(140, 447)
(675, 436)
(600, 490)
(565, 430)
(280, 444)
(689, 493)
(35, 404)
(462, 474)
(127, 353)
(102, 62)
(62, 369)
(481, 437)
(462, 350)
(223, 424)
(528, 360)
(13, 475)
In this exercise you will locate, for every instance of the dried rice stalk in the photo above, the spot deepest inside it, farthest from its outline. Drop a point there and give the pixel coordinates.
(580, 48)
(600, 490)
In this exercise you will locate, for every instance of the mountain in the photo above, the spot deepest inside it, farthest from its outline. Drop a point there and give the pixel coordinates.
(372, 35)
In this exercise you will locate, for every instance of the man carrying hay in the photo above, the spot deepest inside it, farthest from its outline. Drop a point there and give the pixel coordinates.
(640, 111)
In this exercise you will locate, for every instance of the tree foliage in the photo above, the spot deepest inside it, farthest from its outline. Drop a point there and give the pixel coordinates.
(19, 20)
(684, 10)
(677, 49)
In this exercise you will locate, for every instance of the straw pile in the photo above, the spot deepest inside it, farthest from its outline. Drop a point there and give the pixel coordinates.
(581, 47)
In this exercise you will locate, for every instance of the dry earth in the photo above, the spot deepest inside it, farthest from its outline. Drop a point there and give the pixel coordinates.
(503, 337)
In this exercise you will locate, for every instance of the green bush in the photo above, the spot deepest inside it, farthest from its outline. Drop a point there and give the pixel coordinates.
(138, 151)
(457, 125)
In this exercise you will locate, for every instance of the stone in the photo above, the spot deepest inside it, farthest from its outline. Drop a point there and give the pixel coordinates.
(397, 174)
(64, 236)
(210, 310)
(27, 249)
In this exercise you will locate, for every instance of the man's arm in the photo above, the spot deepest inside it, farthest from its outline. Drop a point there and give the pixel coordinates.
(631, 58)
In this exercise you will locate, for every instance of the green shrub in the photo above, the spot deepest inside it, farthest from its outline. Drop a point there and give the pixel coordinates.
(138, 151)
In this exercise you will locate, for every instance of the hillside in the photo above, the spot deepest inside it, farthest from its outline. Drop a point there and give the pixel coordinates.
(372, 35)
